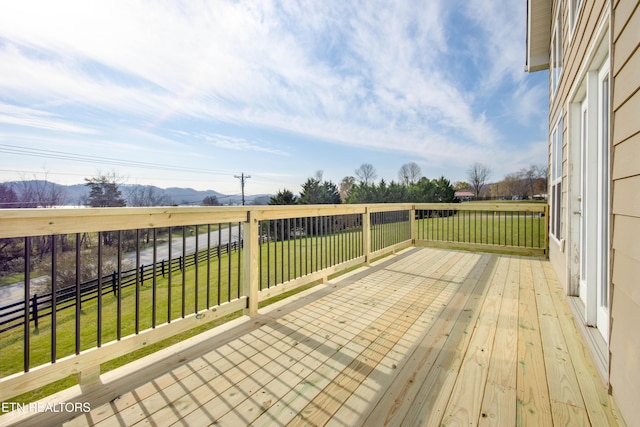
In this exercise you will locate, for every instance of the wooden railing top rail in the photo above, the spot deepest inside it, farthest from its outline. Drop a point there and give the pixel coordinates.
(44, 221)
(487, 207)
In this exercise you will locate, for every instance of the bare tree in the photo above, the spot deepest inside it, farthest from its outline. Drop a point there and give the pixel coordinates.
(366, 173)
(409, 173)
(139, 195)
(346, 185)
(478, 174)
(540, 182)
(211, 201)
(515, 184)
(40, 193)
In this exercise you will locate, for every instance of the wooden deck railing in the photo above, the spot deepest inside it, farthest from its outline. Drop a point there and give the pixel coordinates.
(72, 252)
(520, 228)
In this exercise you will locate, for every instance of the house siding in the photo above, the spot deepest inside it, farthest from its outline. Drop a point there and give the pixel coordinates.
(625, 274)
(575, 43)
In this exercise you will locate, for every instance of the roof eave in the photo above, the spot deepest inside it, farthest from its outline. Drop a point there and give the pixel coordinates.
(538, 35)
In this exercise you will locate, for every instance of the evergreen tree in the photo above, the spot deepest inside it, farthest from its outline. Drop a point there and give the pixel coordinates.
(104, 192)
(315, 192)
(283, 197)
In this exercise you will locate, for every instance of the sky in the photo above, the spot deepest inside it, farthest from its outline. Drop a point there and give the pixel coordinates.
(195, 93)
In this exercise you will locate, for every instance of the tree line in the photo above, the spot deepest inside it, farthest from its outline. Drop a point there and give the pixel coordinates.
(527, 183)
(362, 188)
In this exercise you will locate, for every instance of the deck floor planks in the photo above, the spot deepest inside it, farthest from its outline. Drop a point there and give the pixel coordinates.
(534, 408)
(376, 386)
(376, 328)
(402, 317)
(465, 403)
(499, 402)
(220, 373)
(392, 406)
(312, 360)
(395, 344)
(599, 405)
(435, 388)
(305, 391)
(567, 405)
(379, 303)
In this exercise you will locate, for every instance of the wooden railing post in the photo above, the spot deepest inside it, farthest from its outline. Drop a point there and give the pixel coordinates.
(251, 268)
(546, 230)
(366, 235)
(412, 224)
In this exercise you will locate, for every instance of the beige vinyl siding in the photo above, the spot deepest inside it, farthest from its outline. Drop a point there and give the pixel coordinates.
(626, 158)
(625, 308)
(575, 46)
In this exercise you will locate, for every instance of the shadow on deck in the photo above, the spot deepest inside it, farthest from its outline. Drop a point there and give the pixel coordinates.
(427, 336)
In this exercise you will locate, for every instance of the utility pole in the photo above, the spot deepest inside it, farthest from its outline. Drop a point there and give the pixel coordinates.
(243, 178)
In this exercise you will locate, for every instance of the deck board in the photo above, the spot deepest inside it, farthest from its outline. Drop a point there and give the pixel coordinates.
(424, 337)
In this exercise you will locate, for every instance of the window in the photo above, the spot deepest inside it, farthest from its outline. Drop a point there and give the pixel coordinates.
(603, 183)
(556, 181)
(556, 50)
(575, 11)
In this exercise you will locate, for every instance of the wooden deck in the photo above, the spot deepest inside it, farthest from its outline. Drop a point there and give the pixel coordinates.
(424, 337)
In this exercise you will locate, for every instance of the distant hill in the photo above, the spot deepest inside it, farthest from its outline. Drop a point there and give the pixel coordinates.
(76, 195)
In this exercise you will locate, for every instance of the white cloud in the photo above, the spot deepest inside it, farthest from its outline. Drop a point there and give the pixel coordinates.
(27, 117)
(368, 74)
(239, 144)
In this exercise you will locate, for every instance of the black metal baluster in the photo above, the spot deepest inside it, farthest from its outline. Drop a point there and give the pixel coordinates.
(169, 283)
(196, 266)
(269, 254)
(119, 289)
(230, 225)
(154, 281)
(27, 299)
(282, 237)
(137, 282)
(275, 252)
(238, 247)
(54, 299)
(219, 264)
(208, 304)
(288, 248)
(78, 295)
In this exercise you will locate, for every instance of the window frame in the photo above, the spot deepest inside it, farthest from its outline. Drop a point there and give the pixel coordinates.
(555, 223)
(556, 50)
(574, 11)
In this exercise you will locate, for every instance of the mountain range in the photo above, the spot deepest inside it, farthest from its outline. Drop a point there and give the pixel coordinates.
(76, 195)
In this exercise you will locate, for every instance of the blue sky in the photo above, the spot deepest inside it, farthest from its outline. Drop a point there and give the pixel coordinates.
(190, 94)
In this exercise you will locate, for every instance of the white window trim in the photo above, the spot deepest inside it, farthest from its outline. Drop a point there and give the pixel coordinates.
(556, 49)
(556, 171)
(575, 6)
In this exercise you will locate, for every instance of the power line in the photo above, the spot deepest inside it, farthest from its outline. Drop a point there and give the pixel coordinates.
(62, 155)
(243, 178)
